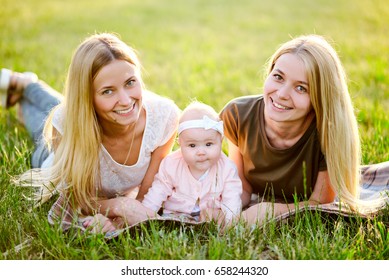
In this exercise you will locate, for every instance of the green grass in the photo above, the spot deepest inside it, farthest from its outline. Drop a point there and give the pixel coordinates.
(212, 51)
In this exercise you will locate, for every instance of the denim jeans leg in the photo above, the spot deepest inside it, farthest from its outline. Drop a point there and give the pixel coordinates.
(40, 154)
(37, 102)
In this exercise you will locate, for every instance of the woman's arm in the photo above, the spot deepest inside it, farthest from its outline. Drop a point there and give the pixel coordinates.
(236, 156)
(115, 207)
(231, 202)
(130, 210)
(156, 158)
(322, 193)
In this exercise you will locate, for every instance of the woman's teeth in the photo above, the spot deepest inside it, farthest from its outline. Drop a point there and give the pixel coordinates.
(124, 111)
(279, 106)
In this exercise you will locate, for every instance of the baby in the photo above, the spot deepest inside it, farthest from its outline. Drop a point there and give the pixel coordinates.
(198, 181)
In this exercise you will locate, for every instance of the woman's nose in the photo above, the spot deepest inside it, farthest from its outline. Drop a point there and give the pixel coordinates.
(124, 97)
(283, 92)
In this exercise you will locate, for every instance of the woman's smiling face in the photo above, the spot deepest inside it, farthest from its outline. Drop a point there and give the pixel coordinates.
(286, 90)
(117, 93)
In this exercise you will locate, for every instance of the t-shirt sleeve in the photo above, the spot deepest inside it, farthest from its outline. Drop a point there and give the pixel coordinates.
(58, 118)
(229, 116)
(163, 116)
(171, 122)
(322, 163)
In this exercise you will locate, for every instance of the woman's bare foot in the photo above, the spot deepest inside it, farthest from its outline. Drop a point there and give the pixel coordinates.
(12, 85)
(18, 82)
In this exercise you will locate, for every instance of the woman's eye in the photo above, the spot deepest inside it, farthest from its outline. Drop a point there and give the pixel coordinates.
(131, 82)
(277, 77)
(107, 91)
(301, 89)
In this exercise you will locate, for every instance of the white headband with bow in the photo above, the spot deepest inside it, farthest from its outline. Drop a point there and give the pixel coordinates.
(205, 123)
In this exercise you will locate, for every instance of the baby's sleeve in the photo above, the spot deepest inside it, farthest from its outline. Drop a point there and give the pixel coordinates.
(160, 190)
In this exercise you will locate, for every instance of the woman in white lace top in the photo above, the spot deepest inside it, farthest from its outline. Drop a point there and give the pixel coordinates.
(106, 137)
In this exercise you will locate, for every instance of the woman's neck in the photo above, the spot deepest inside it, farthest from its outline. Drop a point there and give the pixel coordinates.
(283, 135)
(114, 134)
(124, 144)
(117, 131)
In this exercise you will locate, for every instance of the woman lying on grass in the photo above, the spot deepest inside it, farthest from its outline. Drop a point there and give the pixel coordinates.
(108, 135)
(298, 142)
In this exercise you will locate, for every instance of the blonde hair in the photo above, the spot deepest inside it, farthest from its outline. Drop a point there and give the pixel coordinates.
(76, 164)
(336, 121)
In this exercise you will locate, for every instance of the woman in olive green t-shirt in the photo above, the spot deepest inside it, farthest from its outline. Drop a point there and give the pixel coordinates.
(300, 138)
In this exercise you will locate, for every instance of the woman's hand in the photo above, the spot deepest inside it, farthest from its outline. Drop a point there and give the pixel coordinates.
(132, 211)
(262, 212)
(258, 213)
(99, 224)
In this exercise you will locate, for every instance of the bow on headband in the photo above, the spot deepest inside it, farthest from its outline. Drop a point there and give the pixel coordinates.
(205, 123)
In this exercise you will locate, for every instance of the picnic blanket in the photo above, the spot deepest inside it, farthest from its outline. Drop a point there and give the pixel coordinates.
(170, 222)
(374, 181)
(374, 184)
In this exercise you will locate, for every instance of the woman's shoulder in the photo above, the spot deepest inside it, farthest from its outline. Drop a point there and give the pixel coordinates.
(152, 99)
(244, 108)
(160, 107)
(246, 99)
(243, 103)
(162, 119)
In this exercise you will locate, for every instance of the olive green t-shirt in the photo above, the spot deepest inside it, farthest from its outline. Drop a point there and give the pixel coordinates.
(282, 172)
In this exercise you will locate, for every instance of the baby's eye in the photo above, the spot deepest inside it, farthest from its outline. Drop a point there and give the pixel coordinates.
(192, 145)
(209, 144)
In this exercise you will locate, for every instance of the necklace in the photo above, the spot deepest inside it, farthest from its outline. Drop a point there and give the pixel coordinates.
(132, 142)
(128, 153)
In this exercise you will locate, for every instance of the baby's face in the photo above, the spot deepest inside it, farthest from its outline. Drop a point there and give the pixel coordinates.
(200, 148)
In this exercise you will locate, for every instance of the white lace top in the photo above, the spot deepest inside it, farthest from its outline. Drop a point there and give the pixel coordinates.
(161, 122)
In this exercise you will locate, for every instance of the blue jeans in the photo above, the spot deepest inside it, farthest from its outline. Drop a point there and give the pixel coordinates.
(36, 104)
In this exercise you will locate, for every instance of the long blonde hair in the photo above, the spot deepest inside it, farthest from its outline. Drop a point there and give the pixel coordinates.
(76, 167)
(336, 121)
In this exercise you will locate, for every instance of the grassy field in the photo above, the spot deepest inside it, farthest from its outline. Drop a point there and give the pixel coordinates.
(209, 50)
